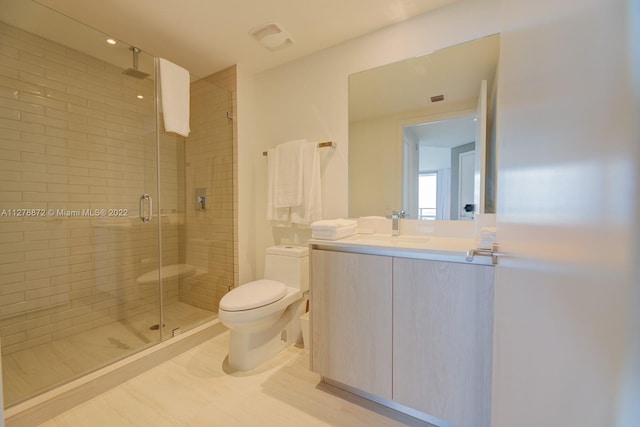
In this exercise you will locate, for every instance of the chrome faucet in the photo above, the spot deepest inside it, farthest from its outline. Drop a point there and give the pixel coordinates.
(396, 216)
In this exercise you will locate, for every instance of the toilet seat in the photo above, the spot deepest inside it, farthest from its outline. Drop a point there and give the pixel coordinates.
(252, 295)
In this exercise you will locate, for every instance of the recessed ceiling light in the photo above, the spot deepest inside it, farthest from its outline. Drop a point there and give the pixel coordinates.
(111, 41)
(140, 96)
(271, 36)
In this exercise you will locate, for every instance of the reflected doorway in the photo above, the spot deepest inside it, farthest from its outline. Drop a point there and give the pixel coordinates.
(439, 159)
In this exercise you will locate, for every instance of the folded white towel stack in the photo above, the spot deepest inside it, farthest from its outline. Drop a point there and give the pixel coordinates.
(333, 229)
(487, 237)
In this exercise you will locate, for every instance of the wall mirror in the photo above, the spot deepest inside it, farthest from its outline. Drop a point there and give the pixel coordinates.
(422, 134)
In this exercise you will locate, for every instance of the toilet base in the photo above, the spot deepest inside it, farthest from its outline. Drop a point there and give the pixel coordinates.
(250, 350)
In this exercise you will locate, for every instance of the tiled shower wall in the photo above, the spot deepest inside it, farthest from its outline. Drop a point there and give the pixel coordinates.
(209, 170)
(73, 137)
(171, 203)
(227, 80)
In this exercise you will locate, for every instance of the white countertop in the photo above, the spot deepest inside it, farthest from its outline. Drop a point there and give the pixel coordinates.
(450, 249)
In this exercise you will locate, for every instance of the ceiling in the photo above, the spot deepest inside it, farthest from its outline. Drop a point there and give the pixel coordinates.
(206, 36)
(445, 133)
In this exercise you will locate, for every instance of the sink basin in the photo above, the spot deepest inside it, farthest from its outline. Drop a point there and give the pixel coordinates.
(394, 241)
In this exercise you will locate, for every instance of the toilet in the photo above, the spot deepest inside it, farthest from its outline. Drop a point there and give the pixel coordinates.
(263, 316)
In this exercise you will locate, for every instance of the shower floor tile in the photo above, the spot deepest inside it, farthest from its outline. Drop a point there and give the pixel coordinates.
(32, 371)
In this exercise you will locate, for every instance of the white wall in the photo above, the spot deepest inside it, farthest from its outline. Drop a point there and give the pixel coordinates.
(308, 98)
(434, 158)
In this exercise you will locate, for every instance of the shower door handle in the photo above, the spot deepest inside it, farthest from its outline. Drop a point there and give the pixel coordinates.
(146, 198)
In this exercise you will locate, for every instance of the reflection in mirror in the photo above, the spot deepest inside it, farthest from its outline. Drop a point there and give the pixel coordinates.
(417, 134)
(439, 169)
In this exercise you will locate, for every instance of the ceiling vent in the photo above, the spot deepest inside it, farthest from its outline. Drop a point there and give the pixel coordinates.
(271, 36)
(437, 98)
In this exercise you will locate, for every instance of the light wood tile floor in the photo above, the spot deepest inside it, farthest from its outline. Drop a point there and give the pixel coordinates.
(197, 388)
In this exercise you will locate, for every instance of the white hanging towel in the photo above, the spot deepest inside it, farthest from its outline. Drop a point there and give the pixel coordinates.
(288, 174)
(174, 88)
(279, 217)
(311, 207)
(307, 169)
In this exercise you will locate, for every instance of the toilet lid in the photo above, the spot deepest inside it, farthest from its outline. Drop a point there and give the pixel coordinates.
(252, 295)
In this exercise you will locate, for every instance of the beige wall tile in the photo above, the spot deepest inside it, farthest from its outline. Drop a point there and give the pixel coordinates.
(60, 112)
(72, 137)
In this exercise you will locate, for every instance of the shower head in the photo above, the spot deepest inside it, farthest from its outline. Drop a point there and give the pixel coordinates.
(134, 72)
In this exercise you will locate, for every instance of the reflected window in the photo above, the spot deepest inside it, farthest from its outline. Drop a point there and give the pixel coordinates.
(427, 195)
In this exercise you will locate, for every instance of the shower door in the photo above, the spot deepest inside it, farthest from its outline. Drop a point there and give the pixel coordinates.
(79, 230)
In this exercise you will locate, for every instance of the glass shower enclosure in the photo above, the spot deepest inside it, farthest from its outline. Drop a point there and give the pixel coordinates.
(102, 253)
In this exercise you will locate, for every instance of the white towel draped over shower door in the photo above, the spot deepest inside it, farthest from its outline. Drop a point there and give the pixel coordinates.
(309, 207)
(174, 89)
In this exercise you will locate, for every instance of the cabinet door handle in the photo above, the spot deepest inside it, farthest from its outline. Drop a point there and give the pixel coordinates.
(493, 253)
(146, 217)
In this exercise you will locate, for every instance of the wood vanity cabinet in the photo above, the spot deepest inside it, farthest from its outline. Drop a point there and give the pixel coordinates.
(415, 332)
(443, 339)
(351, 319)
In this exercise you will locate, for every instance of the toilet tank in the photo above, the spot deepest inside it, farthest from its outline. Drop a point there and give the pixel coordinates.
(288, 264)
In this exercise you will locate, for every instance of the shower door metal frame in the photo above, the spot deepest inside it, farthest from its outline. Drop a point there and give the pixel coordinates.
(156, 65)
